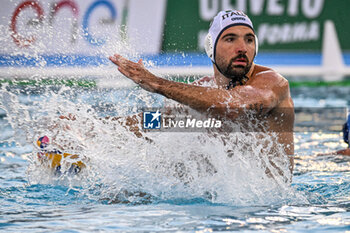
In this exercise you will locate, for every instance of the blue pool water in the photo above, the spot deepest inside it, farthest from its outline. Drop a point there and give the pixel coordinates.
(32, 199)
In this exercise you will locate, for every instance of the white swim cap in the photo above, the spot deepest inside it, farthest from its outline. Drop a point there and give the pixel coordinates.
(222, 21)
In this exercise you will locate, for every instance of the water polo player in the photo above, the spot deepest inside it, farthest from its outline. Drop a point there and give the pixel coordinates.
(238, 83)
(56, 160)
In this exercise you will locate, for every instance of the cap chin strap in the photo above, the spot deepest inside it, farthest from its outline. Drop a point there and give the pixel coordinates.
(235, 83)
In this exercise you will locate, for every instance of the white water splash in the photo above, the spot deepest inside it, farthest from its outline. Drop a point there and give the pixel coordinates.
(122, 167)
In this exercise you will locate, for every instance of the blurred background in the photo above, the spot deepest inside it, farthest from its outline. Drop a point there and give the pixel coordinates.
(304, 40)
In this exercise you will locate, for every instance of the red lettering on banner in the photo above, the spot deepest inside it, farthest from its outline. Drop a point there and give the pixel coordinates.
(73, 6)
(66, 3)
(18, 39)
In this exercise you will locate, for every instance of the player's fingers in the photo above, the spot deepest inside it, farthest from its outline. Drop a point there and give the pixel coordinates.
(117, 59)
(140, 62)
(113, 59)
(69, 117)
(72, 117)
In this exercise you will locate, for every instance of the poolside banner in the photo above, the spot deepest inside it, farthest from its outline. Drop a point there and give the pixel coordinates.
(290, 25)
(77, 32)
(81, 27)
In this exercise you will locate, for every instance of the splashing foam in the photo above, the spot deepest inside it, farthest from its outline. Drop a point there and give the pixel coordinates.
(122, 167)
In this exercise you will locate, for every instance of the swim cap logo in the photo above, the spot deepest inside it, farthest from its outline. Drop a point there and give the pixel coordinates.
(233, 13)
(238, 18)
(152, 120)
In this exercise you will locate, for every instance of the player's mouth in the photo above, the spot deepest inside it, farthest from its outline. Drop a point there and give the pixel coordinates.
(241, 60)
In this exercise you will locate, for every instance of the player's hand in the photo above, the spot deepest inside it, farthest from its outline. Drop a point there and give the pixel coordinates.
(69, 117)
(136, 72)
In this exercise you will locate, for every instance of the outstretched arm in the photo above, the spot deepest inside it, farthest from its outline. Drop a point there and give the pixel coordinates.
(343, 152)
(262, 96)
(339, 152)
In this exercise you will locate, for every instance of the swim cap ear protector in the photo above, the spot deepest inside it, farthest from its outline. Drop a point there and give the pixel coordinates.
(222, 21)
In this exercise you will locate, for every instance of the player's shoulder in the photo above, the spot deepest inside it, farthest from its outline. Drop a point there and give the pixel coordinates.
(268, 74)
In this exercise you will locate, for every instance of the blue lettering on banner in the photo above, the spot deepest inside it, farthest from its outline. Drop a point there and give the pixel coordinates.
(152, 120)
(86, 33)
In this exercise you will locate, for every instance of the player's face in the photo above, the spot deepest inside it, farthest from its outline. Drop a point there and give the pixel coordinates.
(235, 51)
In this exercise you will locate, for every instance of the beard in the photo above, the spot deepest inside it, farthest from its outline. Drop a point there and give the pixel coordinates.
(234, 72)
